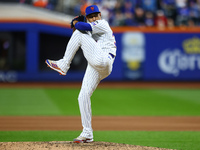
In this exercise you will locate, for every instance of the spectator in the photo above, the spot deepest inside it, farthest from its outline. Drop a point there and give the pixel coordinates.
(118, 7)
(169, 8)
(40, 3)
(181, 3)
(160, 19)
(149, 5)
(104, 12)
(194, 12)
(80, 7)
(128, 7)
(128, 13)
(139, 16)
(136, 3)
(183, 16)
(191, 23)
(118, 19)
(170, 23)
(149, 19)
(129, 19)
(84, 5)
(51, 4)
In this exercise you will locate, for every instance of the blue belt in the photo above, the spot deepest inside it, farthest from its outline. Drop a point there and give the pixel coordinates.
(113, 56)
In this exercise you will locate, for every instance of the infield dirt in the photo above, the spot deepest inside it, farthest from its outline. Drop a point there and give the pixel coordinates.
(67, 145)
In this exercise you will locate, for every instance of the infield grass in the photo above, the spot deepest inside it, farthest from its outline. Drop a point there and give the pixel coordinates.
(174, 140)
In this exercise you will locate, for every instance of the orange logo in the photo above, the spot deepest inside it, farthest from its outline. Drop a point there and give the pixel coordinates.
(92, 8)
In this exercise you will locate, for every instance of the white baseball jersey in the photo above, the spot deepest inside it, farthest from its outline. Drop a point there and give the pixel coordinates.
(96, 46)
(102, 33)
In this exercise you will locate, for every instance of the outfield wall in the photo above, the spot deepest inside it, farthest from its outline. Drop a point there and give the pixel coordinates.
(144, 54)
(160, 54)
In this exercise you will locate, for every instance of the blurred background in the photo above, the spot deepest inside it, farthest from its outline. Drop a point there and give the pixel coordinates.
(157, 40)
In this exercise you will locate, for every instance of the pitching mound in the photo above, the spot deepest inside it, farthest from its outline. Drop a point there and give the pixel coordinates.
(68, 145)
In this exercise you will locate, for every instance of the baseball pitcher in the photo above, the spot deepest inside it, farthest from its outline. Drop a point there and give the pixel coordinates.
(95, 37)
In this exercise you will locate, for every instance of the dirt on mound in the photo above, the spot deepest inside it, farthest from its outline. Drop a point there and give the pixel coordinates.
(68, 145)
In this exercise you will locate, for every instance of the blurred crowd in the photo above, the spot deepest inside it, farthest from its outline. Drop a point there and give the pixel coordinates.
(149, 12)
(146, 13)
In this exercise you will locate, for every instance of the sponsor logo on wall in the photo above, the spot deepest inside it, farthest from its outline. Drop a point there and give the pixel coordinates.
(177, 61)
(133, 55)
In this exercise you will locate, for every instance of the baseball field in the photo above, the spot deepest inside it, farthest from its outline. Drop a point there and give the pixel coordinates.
(132, 115)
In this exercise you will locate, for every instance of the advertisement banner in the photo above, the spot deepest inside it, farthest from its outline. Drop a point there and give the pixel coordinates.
(133, 55)
(173, 56)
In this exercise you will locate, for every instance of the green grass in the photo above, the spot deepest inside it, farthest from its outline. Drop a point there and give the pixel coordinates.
(113, 102)
(173, 140)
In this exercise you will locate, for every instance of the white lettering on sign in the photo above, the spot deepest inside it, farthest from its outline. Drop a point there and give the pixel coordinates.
(8, 76)
(174, 61)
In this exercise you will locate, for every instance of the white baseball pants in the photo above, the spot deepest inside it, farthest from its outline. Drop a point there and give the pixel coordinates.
(99, 67)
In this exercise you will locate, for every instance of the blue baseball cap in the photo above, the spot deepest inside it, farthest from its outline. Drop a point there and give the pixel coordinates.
(91, 9)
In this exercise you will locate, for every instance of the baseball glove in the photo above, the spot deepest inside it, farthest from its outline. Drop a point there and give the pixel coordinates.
(80, 18)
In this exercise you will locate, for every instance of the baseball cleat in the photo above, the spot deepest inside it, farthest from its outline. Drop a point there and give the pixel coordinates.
(82, 140)
(52, 64)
